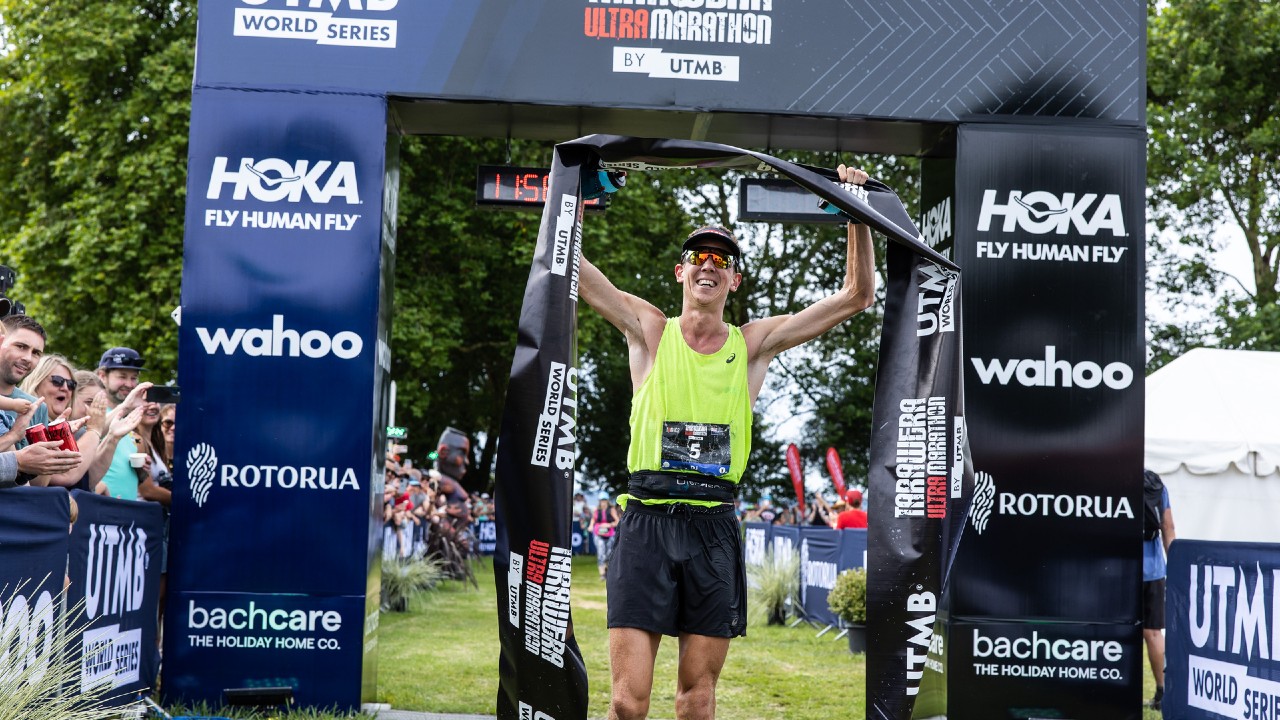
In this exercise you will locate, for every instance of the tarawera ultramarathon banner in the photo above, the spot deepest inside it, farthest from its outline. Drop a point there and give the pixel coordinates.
(920, 485)
(542, 676)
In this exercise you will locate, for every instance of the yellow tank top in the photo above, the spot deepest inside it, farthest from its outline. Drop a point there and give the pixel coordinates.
(693, 412)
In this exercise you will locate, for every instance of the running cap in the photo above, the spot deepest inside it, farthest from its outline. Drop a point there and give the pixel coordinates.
(716, 232)
(853, 497)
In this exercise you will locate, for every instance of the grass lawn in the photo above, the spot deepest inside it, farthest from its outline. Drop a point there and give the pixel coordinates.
(442, 656)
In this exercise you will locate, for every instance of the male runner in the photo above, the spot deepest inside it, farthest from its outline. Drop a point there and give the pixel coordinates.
(677, 567)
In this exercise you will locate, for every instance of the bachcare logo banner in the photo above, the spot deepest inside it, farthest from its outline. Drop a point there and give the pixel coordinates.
(541, 664)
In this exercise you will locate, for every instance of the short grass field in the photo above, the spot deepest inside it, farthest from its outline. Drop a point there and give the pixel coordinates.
(442, 657)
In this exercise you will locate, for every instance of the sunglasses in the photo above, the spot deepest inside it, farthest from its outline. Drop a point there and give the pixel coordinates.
(166, 424)
(126, 361)
(59, 381)
(698, 257)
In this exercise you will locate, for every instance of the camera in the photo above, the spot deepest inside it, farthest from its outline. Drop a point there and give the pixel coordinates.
(7, 306)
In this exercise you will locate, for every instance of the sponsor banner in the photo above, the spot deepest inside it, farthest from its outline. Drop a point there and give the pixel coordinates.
(541, 664)
(114, 567)
(796, 469)
(1043, 670)
(33, 558)
(819, 565)
(1053, 368)
(853, 548)
(1222, 613)
(784, 540)
(705, 55)
(286, 274)
(915, 460)
(312, 643)
(755, 541)
(486, 533)
(837, 471)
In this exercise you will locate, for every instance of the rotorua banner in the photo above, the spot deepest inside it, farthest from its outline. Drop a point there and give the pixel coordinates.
(541, 667)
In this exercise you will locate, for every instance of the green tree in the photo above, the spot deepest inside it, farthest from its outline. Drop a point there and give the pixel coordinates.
(1213, 76)
(95, 102)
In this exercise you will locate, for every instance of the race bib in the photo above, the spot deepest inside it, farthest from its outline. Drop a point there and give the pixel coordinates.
(700, 447)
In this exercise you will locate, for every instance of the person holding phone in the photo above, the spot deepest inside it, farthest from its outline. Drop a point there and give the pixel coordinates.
(122, 403)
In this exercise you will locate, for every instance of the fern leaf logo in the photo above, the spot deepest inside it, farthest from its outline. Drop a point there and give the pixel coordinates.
(984, 500)
(202, 467)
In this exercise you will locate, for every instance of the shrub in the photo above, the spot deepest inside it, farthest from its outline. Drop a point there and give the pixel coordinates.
(35, 670)
(848, 599)
(772, 585)
(404, 580)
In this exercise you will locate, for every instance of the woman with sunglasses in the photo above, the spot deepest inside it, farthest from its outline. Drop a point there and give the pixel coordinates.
(54, 380)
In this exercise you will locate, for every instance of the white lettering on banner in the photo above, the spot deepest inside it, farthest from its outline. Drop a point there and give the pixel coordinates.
(1042, 648)
(1058, 252)
(566, 230)
(515, 572)
(547, 580)
(921, 468)
(818, 573)
(936, 224)
(1040, 213)
(935, 306)
(110, 657)
(1052, 372)
(923, 606)
(957, 456)
(252, 617)
(528, 713)
(26, 638)
(115, 576)
(318, 21)
(273, 180)
(675, 66)
(1229, 690)
(560, 406)
(269, 220)
(1242, 616)
(1079, 506)
(203, 467)
(277, 341)
(755, 546)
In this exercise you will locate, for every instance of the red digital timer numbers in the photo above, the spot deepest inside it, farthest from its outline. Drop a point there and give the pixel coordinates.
(516, 187)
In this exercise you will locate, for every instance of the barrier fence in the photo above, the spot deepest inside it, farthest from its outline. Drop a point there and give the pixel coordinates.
(824, 554)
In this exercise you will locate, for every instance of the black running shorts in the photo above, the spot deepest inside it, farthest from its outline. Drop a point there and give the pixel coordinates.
(1153, 604)
(678, 569)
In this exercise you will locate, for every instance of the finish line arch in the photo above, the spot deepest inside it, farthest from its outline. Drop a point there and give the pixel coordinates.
(1030, 117)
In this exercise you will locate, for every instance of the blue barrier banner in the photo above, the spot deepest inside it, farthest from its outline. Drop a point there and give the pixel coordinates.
(853, 549)
(1222, 638)
(819, 565)
(33, 558)
(486, 536)
(114, 566)
(755, 540)
(282, 351)
(784, 539)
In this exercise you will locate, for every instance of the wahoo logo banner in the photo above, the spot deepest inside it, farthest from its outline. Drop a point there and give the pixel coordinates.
(114, 565)
(1222, 609)
(541, 669)
(920, 481)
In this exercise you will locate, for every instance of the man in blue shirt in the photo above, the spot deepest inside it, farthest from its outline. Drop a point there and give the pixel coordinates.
(1153, 574)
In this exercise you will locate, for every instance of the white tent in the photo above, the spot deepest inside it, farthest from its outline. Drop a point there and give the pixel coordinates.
(1213, 434)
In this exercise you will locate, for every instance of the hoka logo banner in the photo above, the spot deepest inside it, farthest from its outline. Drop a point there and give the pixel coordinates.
(273, 180)
(1041, 213)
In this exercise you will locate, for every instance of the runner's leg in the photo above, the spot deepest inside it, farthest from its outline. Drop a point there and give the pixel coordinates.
(701, 659)
(631, 655)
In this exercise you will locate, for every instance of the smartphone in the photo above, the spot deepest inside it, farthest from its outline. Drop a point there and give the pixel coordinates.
(164, 394)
